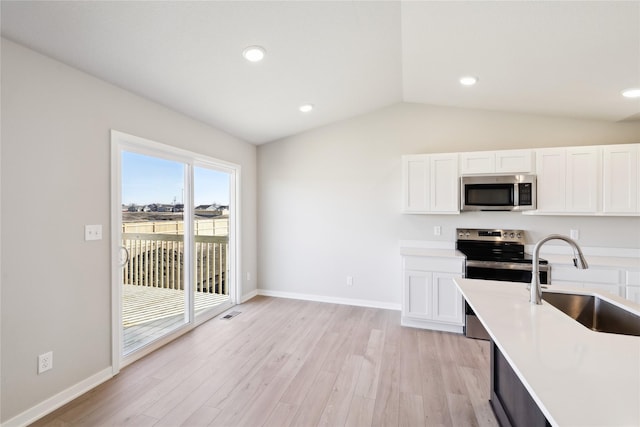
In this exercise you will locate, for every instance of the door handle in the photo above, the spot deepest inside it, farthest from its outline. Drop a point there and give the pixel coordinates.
(124, 256)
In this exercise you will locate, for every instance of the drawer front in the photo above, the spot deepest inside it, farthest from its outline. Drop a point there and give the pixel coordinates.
(616, 290)
(590, 275)
(448, 265)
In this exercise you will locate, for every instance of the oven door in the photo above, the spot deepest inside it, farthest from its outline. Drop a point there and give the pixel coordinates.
(501, 271)
(504, 271)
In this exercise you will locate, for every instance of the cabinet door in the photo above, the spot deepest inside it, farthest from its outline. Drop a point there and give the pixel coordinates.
(415, 183)
(447, 299)
(632, 280)
(444, 193)
(514, 161)
(633, 294)
(620, 178)
(551, 179)
(418, 295)
(583, 179)
(477, 162)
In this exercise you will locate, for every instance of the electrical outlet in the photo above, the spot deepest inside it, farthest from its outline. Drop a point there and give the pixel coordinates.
(437, 230)
(45, 362)
(248, 276)
(349, 280)
(574, 234)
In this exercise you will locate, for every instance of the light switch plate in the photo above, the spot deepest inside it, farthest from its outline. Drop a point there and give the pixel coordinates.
(93, 232)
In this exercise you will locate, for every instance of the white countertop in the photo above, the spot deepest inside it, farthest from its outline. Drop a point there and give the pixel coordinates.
(595, 261)
(577, 377)
(432, 252)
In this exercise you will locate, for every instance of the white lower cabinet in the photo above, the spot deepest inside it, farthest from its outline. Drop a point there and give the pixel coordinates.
(431, 299)
(620, 281)
(632, 283)
(447, 300)
(608, 279)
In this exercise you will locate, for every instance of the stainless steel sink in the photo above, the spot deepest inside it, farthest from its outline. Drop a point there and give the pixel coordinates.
(595, 313)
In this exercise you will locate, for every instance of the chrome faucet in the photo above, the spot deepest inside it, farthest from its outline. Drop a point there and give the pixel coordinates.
(578, 260)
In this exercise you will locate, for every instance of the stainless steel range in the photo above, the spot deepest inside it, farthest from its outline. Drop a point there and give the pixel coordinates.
(494, 255)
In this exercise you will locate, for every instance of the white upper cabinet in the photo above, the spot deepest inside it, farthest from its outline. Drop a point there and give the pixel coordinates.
(444, 185)
(477, 162)
(515, 161)
(592, 180)
(430, 183)
(568, 180)
(415, 183)
(501, 162)
(551, 179)
(620, 184)
(583, 179)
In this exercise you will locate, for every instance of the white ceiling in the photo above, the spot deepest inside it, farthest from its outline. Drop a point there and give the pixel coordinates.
(565, 58)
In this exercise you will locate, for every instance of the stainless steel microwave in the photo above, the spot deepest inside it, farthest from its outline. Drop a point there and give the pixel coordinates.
(498, 192)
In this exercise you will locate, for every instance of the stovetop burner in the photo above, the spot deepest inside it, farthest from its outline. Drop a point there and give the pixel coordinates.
(493, 245)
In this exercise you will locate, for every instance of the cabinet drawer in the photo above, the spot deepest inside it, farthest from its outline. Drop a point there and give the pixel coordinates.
(616, 290)
(590, 275)
(447, 265)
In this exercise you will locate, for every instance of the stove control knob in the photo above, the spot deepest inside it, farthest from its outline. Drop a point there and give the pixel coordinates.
(468, 234)
(519, 236)
(511, 235)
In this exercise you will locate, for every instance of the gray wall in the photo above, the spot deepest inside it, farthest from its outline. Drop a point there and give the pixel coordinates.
(56, 288)
(330, 199)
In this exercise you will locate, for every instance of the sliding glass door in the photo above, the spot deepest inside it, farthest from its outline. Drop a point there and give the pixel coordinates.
(154, 300)
(174, 231)
(211, 189)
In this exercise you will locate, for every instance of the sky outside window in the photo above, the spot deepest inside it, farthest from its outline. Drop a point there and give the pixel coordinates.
(147, 180)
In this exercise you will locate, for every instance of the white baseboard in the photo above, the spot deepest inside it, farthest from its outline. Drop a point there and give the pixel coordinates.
(246, 297)
(433, 326)
(51, 404)
(333, 300)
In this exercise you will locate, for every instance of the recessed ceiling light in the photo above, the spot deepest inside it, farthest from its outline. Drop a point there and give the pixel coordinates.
(468, 80)
(254, 53)
(631, 93)
(305, 108)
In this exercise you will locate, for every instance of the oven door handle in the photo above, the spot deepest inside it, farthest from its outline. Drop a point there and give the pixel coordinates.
(498, 265)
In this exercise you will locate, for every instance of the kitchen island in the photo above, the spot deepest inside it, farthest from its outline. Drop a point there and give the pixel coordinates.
(575, 376)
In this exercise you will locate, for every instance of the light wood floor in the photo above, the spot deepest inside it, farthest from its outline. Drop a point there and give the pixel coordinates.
(297, 363)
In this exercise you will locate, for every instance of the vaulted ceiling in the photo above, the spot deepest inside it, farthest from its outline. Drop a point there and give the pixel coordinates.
(562, 58)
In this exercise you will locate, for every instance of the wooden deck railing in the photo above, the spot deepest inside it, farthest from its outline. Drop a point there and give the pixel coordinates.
(157, 260)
